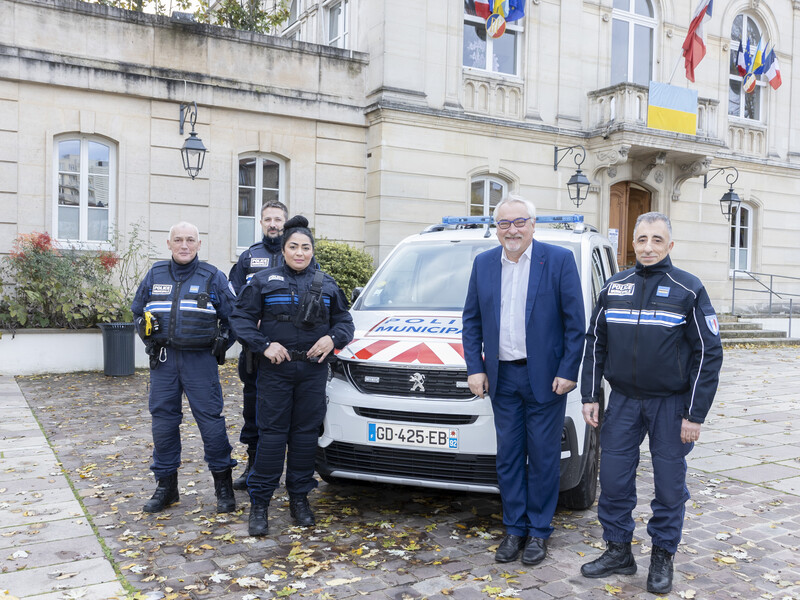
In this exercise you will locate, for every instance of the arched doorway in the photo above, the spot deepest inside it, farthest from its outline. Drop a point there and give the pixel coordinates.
(628, 201)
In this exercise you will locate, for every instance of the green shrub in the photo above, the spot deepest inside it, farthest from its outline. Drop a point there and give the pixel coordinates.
(350, 267)
(45, 286)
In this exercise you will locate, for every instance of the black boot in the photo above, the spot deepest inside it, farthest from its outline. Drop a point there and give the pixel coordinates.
(240, 483)
(166, 493)
(223, 488)
(659, 577)
(300, 510)
(257, 522)
(617, 558)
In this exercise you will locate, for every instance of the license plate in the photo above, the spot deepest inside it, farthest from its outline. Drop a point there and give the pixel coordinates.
(405, 435)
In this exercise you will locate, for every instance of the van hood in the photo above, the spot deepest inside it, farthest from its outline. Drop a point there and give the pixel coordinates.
(430, 338)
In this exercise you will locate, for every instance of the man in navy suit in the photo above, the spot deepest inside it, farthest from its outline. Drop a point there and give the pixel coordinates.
(523, 328)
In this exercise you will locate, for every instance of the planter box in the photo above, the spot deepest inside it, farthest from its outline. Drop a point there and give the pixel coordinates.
(34, 351)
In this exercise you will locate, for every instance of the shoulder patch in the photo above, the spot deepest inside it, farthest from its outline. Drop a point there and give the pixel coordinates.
(621, 289)
(275, 278)
(162, 289)
(261, 262)
(713, 324)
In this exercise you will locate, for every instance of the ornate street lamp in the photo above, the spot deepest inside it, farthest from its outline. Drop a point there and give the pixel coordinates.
(730, 201)
(578, 184)
(193, 153)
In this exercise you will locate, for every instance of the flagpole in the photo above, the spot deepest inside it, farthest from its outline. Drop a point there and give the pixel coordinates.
(675, 68)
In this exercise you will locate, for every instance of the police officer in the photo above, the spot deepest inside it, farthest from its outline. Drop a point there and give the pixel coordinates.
(291, 317)
(263, 254)
(655, 337)
(181, 311)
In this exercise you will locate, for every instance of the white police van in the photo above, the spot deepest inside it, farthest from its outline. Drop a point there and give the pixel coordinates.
(399, 408)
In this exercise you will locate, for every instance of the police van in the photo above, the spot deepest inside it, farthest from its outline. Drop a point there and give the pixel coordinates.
(399, 407)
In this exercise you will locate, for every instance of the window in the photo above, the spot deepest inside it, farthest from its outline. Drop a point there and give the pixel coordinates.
(85, 185)
(740, 103)
(261, 178)
(337, 19)
(741, 238)
(292, 29)
(498, 55)
(485, 193)
(632, 27)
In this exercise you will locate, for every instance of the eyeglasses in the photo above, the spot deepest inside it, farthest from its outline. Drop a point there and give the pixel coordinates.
(518, 223)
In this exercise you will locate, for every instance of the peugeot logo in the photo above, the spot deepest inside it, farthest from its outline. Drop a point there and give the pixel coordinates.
(417, 381)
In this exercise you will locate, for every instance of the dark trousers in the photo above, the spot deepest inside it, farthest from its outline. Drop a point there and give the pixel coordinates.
(249, 433)
(625, 424)
(291, 406)
(195, 373)
(527, 432)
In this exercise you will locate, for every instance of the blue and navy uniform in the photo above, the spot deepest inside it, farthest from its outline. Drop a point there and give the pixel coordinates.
(262, 255)
(654, 336)
(291, 395)
(191, 303)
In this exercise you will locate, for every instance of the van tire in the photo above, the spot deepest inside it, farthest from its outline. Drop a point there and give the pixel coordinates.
(582, 496)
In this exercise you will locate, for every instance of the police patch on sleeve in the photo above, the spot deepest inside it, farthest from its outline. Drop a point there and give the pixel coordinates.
(621, 289)
(713, 324)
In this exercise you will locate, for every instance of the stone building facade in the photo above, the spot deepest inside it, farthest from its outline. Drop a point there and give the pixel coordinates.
(375, 119)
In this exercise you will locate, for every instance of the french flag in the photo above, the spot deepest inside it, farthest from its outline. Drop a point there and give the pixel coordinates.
(482, 9)
(694, 46)
(773, 70)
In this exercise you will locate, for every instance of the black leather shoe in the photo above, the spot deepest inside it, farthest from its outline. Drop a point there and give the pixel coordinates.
(535, 551)
(617, 558)
(240, 483)
(257, 523)
(300, 510)
(223, 488)
(659, 577)
(166, 493)
(509, 548)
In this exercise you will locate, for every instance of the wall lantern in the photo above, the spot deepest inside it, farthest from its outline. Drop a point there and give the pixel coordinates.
(193, 152)
(578, 184)
(730, 201)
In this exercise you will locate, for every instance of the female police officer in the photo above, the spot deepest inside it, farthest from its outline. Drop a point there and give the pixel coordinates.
(291, 317)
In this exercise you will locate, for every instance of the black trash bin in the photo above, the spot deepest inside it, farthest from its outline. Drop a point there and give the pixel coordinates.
(118, 349)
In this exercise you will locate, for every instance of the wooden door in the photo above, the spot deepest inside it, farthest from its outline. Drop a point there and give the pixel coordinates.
(627, 202)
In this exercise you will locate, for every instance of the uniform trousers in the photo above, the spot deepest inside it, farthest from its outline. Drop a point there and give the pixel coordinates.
(527, 432)
(249, 433)
(195, 373)
(626, 422)
(290, 410)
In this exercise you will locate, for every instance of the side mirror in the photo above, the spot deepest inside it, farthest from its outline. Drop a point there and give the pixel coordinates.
(355, 294)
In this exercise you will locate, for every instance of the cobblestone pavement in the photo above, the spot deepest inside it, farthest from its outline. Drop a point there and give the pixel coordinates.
(741, 536)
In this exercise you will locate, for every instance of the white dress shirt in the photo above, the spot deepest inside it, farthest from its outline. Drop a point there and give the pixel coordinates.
(513, 297)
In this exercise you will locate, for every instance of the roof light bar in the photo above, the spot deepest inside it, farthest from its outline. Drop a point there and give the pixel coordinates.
(560, 219)
(486, 219)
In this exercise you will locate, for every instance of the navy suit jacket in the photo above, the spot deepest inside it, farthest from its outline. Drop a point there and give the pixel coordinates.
(554, 316)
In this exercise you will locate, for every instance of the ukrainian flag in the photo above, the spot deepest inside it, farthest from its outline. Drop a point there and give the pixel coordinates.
(672, 108)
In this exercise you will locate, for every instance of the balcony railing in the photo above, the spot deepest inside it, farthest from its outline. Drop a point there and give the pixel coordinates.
(626, 104)
(747, 137)
(493, 97)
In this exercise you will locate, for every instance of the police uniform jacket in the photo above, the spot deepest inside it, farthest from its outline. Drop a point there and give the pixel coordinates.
(273, 298)
(265, 254)
(191, 302)
(654, 333)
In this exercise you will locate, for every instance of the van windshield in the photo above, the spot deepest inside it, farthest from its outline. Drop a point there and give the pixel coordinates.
(431, 275)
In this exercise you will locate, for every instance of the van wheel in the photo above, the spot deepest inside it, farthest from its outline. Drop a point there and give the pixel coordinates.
(582, 495)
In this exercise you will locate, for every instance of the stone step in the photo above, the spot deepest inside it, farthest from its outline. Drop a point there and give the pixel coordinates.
(760, 342)
(728, 318)
(749, 333)
(727, 326)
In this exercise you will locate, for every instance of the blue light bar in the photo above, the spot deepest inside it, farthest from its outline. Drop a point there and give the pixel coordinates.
(483, 220)
(467, 220)
(559, 219)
